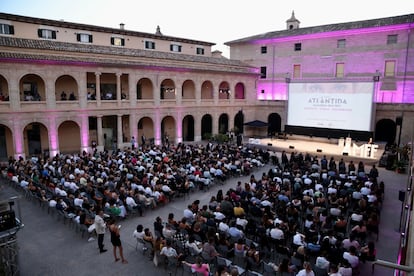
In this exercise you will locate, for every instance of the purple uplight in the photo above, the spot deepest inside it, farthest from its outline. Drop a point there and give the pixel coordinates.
(84, 132)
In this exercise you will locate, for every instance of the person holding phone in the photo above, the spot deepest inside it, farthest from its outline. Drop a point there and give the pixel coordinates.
(116, 240)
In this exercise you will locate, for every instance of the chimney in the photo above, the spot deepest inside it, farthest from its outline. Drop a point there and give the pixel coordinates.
(122, 26)
(217, 54)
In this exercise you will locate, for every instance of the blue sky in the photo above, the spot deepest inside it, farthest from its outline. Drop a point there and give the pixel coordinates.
(213, 21)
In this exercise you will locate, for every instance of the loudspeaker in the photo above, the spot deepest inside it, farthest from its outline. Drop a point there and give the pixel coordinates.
(401, 196)
(345, 154)
(269, 144)
(7, 220)
(318, 150)
(291, 147)
(398, 121)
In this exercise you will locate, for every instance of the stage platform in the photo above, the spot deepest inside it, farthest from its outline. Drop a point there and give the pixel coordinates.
(317, 146)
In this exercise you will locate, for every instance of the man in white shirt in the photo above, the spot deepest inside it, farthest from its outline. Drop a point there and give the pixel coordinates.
(188, 214)
(299, 239)
(139, 232)
(169, 251)
(78, 201)
(223, 227)
(322, 262)
(351, 257)
(276, 233)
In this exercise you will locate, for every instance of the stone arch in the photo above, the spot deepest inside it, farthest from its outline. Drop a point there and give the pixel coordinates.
(32, 88)
(65, 85)
(224, 91)
(207, 90)
(188, 128)
(4, 89)
(167, 90)
(274, 124)
(146, 128)
(6, 143)
(239, 122)
(206, 126)
(386, 131)
(168, 127)
(36, 139)
(188, 90)
(69, 137)
(145, 89)
(223, 123)
(239, 91)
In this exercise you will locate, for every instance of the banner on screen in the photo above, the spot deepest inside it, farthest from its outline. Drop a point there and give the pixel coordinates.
(342, 105)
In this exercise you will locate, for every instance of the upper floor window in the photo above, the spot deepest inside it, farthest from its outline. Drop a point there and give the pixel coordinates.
(392, 39)
(86, 38)
(45, 33)
(339, 72)
(149, 45)
(296, 71)
(341, 43)
(298, 46)
(6, 29)
(390, 68)
(263, 49)
(199, 51)
(175, 48)
(263, 72)
(117, 41)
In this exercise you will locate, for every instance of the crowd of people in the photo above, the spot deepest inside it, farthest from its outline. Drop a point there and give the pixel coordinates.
(304, 213)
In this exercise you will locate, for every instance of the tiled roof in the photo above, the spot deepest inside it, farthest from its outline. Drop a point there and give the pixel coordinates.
(83, 53)
(403, 19)
(86, 27)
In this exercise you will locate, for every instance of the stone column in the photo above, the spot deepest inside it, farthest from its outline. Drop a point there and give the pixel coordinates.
(178, 95)
(198, 93)
(18, 140)
(119, 139)
(216, 93)
(215, 124)
(50, 96)
(84, 129)
(179, 128)
(82, 90)
(157, 127)
(53, 137)
(14, 94)
(133, 127)
(101, 142)
(98, 88)
(197, 128)
(118, 88)
(132, 90)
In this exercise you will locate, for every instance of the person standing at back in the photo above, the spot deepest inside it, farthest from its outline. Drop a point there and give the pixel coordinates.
(100, 228)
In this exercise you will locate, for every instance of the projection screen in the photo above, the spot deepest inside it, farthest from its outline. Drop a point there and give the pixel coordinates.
(345, 105)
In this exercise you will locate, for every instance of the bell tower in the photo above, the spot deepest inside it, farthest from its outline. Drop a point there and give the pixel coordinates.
(292, 22)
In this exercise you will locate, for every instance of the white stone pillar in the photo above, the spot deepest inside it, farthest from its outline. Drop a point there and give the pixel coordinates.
(119, 137)
(118, 88)
(101, 142)
(18, 140)
(98, 88)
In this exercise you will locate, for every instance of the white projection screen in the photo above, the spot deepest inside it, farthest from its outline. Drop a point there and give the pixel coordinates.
(345, 105)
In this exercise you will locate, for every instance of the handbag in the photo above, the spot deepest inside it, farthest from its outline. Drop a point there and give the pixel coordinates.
(155, 259)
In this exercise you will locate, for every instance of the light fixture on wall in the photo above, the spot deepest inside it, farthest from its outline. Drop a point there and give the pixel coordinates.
(376, 77)
(287, 77)
(225, 90)
(170, 90)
